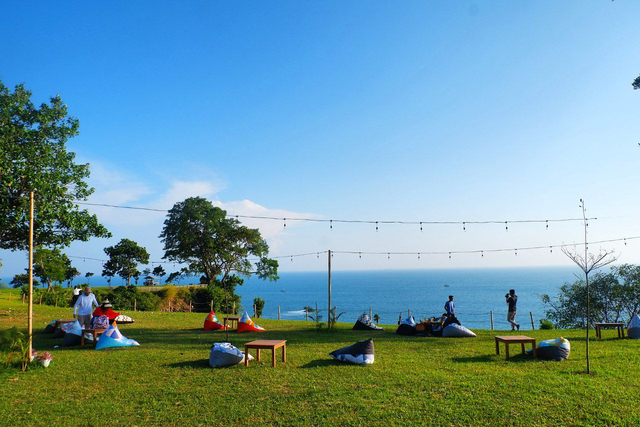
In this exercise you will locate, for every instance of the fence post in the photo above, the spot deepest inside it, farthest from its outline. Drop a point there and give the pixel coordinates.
(255, 312)
(532, 326)
(306, 314)
(370, 315)
(491, 315)
(234, 308)
(169, 306)
(409, 312)
(9, 296)
(211, 305)
(23, 298)
(135, 301)
(190, 307)
(40, 303)
(278, 312)
(56, 300)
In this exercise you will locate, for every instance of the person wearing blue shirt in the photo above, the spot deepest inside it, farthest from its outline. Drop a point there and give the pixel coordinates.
(449, 307)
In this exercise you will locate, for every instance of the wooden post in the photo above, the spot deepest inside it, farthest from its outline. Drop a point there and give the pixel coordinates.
(329, 284)
(278, 312)
(190, 307)
(491, 315)
(56, 300)
(40, 303)
(234, 308)
(409, 312)
(306, 314)
(211, 305)
(370, 317)
(30, 309)
(255, 311)
(169, 306)
(23, 298)
(532, 325)
(135, 302)
(9, 296)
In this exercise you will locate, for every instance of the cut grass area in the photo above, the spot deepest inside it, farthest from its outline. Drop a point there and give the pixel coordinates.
(433, 381)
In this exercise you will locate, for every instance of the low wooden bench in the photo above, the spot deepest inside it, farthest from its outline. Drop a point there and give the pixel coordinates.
(96, 333)
(515, 339)
(266, 345)
(62, 322)
(599, 326)
(232, 320)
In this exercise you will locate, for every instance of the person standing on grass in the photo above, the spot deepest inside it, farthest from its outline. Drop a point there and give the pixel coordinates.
(449, 307)
(76, 294)
(512, 300)
(84, 307)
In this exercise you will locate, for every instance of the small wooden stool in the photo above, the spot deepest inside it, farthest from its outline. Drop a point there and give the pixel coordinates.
(232, 320)
(265, 344)
(96, 333)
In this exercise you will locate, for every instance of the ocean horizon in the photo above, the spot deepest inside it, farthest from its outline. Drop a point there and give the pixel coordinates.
(477, 292)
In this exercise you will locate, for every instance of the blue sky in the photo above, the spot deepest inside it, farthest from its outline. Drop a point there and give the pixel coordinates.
(454, 111)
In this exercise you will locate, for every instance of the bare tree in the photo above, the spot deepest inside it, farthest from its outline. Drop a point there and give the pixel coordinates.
(587, 263)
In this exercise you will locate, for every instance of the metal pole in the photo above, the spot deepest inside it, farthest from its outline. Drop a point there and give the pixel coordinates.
(531, 316)
(329, 269)
(30, 317)
(491, 316)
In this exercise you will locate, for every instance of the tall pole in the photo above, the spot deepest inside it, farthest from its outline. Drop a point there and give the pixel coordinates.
(329, 269)
(586, 280)
(30, 316)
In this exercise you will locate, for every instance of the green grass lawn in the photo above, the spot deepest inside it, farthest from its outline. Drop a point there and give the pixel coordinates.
(415, 380)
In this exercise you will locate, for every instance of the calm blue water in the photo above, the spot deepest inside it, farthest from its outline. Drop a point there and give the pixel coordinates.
(390, 292)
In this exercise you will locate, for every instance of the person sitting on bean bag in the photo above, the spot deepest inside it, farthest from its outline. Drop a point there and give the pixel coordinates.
(105, 310)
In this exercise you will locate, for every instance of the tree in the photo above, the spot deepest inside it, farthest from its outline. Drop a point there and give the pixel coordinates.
(636, 83)
(124, 259)
(587, 264)
(88, 276)
(200, 235)
(159, 271)
(34, 158)
(71, 274)
(19, 280)
(50, 265)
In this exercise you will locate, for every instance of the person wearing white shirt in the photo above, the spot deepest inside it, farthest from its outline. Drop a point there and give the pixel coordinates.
(84, 308)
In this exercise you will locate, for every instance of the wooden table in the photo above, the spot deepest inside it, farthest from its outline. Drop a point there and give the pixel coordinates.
(232, 319)
(96, 333)
(265, 344)
(515, 339)
(619, 326)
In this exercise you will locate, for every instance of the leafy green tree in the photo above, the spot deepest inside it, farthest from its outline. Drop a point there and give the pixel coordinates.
(88, 275)
(20, 280)
(159, 271)
(50, 265)
(124, 259)
(34, 158)
(200, 235)
(71, 274)
(636, 83)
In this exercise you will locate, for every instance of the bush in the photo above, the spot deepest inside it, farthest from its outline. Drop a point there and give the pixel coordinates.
(546, 324)
(259, 304)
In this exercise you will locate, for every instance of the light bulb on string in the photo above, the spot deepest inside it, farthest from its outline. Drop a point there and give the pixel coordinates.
(464, 228)
(421, 226)
(418, 255)
(331, 224)
(318, 255)
(291, 259)
(625, 242)
(547, 226)
(550, 249)
(516, 252)
(376, 225)
(285, 222)
(449, 255)
(506, 226)
(360, 255)
(481, 254)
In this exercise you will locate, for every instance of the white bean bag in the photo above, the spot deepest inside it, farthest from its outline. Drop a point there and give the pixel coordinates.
(224, 354)
(360, 353)
(457, 331)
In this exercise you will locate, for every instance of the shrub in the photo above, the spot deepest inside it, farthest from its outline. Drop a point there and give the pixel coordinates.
(259, 305)
(546, 324)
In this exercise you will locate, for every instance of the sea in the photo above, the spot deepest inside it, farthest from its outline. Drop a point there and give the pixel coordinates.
(391, 294)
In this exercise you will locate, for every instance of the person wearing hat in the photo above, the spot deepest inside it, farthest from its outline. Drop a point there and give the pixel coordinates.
(105, 310)
(83, 306)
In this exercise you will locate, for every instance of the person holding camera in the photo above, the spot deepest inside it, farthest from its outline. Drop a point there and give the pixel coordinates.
(512, 300)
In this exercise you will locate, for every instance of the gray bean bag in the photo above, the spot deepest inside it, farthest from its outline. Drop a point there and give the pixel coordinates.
(633, 329)
(360, 353)
(457, 331)
(224, 354)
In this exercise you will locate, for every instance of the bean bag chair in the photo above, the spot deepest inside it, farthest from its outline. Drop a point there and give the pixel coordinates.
(360, 353)
(51, 327)
(365, 324)
(62, 330)
(633, 329)
(454, 330)
(73, 333)
(245, 324)
(557, 349)
(407, 327)
(106, 311)
(211, 323)
(224, 354)
(123, 319)
(99, 322)
(113, 338)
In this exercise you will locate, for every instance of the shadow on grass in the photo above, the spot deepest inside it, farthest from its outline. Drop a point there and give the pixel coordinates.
(193, 364)
(320, 363)
(486, 358)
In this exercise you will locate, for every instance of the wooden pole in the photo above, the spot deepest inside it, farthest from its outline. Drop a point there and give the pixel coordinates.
(491, 316)
(190, 307)
(329, 284)
(135, 302)
(56, 300)
(278, 312)
(255, 311)
(211, 305)
(23, 298)
(306, 314)
(30, 309)
(39, 303)
(9, 296)
(409, 312)
(532, 326)
(370, 311)
(234, 308)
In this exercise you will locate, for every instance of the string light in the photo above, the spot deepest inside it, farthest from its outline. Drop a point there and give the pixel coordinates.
(506, 227)
(482, 254)
(376, 225)
(464, 228)
(285, 222)
(550, 249)
(625, 242)
(360, 255)
(449, 255)
(547, 226)
(421, 227)
(331, 224)
(516, 252)
(388, 256)
(418, 255)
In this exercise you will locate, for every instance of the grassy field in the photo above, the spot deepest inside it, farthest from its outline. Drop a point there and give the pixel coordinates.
(432, 381)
